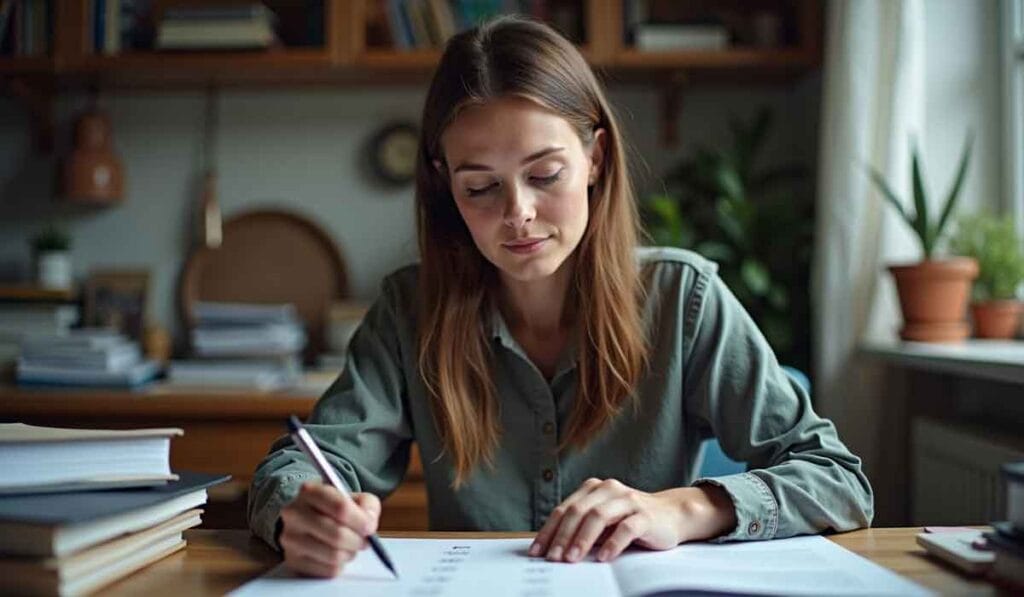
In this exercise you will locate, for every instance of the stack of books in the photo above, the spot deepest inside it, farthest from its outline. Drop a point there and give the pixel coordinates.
(83, 357)
(27, 311)
(1007, 540)
(217, 27)
(242, 345)
(80, 509)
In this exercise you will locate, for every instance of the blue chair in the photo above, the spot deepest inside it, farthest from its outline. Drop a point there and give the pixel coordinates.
(714, 462)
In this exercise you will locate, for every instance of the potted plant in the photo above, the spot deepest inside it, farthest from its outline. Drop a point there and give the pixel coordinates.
(994, 243)
(755, 219)
(50, 251)
(933, 292)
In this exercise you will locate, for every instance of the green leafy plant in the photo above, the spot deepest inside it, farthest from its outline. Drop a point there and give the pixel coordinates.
(928, 230)
(754, 221)
(51, 238)
(994, 243)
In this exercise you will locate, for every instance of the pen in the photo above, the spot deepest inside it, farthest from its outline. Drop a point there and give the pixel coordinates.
(302, 438)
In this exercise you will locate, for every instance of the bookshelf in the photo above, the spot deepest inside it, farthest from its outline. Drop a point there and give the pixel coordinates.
(352, 48)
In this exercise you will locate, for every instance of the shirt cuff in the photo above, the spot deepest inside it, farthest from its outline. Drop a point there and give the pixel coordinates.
(757, 512)
(266, 501)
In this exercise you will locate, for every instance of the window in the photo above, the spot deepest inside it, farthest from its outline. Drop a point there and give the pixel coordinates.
(1013, 106)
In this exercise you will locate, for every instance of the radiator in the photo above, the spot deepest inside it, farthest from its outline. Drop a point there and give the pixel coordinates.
(955, 473)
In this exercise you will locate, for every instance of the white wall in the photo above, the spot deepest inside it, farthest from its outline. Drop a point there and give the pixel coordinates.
(300, 149)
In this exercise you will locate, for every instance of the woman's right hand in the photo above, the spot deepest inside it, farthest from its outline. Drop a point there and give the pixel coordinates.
(323, 530)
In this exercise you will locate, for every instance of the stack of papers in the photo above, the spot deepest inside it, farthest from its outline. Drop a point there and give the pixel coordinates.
(86, 357)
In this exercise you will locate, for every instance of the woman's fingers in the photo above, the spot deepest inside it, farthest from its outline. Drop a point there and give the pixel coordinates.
(547, 532)
(600, 518)
(345, 510)
(323, 529)
(626, 532)
(571, 515)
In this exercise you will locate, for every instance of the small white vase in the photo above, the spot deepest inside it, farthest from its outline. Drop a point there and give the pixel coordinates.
(53, 270)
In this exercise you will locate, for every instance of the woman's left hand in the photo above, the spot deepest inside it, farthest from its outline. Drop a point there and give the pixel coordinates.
(621, 516)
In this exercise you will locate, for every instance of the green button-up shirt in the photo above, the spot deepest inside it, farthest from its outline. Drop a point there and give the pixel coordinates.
(711, 374)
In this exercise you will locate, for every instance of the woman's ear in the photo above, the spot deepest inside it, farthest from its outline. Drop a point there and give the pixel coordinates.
(438, 166)
(597, 153)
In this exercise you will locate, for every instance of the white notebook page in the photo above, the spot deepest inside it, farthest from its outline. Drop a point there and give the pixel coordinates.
(500, 567)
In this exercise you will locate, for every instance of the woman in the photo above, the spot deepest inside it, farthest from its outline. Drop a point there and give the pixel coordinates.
(555, 377)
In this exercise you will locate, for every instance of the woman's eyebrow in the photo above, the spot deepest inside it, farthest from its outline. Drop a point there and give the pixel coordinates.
(533, 157)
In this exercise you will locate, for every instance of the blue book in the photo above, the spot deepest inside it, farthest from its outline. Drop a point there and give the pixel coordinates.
(56, 524)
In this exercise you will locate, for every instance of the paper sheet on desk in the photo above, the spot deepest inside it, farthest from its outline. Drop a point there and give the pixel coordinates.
(500, 567)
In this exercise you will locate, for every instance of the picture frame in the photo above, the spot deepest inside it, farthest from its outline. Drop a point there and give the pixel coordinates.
(117, 299)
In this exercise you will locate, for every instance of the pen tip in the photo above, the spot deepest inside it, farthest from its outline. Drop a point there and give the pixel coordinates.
(294, 424)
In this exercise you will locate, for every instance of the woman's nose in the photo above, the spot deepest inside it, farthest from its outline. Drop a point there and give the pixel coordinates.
(519, 207)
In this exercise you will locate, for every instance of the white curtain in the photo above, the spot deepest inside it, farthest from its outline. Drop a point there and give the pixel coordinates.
(873, 104)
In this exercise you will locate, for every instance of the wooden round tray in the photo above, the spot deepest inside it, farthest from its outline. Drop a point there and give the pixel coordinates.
(269, 256)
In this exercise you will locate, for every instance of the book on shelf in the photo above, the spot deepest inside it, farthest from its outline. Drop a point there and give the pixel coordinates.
(137, 374)
(227, 313)
(26, 27)
(258, 374)
(46, 459)
(96, 566)
(83, 357)
(59, 524)
(229, 27)
(653, 37)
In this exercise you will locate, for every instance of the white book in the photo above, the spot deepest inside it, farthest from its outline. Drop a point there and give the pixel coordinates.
(186, 36)
(209, 312)
(119, 358)
(141, 372)
(653, 37)
(42, 459)
(198, 373)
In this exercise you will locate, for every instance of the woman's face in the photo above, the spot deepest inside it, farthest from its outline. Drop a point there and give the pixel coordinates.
(519, 175)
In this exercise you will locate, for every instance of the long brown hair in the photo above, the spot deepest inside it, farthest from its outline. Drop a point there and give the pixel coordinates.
(512, 56)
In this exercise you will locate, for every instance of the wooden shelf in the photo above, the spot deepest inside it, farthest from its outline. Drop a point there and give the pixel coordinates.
(347, 58)
(733, 58)
(27, 65)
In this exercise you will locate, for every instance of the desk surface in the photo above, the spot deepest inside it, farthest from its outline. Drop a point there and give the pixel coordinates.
(218, 561)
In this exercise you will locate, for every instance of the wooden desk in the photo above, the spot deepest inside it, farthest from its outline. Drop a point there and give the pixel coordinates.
(218, 561)
(226, 431)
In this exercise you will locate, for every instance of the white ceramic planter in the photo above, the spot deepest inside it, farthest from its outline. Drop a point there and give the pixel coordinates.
(53, 270)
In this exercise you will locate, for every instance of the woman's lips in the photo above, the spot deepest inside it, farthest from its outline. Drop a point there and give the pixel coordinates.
(525, 246)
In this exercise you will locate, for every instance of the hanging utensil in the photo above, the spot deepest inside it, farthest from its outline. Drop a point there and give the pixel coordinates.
(210, 230)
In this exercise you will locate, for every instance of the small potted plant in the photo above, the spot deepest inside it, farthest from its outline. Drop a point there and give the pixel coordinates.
(994, 243)
(933, 292)
(50, 251)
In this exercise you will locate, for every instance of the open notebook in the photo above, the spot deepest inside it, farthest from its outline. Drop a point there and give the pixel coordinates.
(496, 567)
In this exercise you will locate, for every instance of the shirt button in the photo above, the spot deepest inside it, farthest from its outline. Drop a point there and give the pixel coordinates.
(548, 475)
(754, 528)
(549, 428)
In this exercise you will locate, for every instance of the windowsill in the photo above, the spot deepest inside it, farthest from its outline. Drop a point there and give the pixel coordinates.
(997, 360)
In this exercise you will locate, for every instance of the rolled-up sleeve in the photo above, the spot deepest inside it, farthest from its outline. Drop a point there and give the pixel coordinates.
(801, 479)
(360, 423)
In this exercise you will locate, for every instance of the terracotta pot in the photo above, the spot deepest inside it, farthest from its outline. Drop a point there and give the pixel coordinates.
(996, 319)
(933, 298)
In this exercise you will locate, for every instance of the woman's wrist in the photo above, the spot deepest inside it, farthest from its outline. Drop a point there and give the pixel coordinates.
(705, 512)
